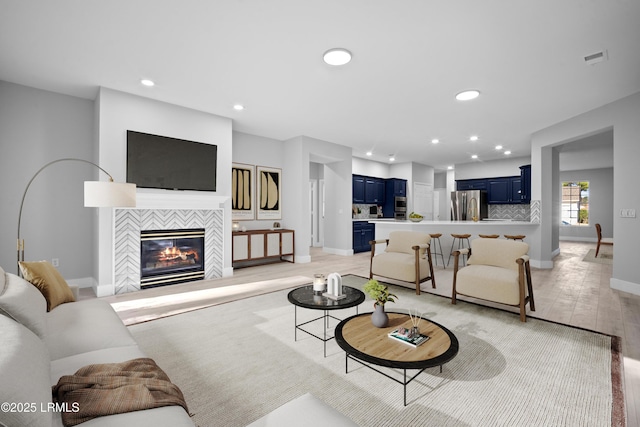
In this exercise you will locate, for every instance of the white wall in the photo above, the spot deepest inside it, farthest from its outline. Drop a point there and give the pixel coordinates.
(622, 116)
(37, 127)
(118, 112)
(491, 168)
(370, 168)
(260, 151)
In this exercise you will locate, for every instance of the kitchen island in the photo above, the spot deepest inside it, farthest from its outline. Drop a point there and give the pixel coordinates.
(500, 227)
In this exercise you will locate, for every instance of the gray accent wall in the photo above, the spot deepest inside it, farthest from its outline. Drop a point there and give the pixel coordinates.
(37, 127)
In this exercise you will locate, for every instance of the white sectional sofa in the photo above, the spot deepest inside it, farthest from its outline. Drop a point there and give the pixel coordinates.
(38, 347)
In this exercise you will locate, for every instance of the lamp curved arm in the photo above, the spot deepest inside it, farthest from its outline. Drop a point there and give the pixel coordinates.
(24, 195)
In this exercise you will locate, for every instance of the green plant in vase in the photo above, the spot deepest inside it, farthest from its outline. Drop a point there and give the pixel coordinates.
(380, 293)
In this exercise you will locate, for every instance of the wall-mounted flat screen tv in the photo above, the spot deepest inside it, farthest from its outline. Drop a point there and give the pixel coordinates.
(155, 161)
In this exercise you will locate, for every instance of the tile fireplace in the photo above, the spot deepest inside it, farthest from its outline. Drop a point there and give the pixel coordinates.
(171, 256)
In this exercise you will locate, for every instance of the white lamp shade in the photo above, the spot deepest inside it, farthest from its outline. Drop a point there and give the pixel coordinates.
(107, 194)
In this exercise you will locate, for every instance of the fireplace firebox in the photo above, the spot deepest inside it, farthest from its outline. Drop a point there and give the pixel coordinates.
(169, 257)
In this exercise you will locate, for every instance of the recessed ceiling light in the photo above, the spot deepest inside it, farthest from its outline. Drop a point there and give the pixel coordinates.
(475, 156)
(392, 158)
(337, 56)
(473, 138)
(147, 82)
(369, 153)
(450, 167)
(238, 107)
(468, 95)
(507, 152)
(498, 147)
(435, 141)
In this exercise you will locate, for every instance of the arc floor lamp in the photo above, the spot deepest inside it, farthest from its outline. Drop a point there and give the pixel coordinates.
(97, 194)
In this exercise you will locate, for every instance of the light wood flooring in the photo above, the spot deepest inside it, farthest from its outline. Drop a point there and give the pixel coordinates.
(573, 292)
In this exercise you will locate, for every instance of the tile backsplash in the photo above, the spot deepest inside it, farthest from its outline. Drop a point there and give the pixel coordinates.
(362, 210)
(515, 212)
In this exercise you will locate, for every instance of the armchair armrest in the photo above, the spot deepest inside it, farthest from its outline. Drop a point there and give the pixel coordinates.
(463, 251)
(374, 242)
(525, 258)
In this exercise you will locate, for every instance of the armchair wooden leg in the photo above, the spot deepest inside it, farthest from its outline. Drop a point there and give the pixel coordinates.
(417, 272)
(532, 304)
(455, 276)
(433, 276)
(597, 248)
(523, 299)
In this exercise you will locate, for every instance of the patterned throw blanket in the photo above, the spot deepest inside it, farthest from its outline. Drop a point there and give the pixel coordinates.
(114, 388)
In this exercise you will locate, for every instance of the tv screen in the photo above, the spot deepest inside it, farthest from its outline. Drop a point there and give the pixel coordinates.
(155, 161)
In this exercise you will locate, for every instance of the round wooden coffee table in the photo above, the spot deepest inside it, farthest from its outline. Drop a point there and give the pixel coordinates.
(370, 346)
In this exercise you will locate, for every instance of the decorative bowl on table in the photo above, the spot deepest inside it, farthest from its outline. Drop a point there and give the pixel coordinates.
(415, 219)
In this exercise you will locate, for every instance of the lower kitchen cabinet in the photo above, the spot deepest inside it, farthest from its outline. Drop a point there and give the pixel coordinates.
(363, 233)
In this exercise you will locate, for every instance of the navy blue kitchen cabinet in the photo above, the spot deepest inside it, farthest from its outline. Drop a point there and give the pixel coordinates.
(504, 190)
(358, 189)
(471, 184)
(394, 187)
(363, 233)
(525, 176)
(373, 190)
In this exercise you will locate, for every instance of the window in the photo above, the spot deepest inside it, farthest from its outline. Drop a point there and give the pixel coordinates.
(575, 203)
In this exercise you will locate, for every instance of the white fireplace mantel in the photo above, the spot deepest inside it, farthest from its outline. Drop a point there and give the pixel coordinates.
(166, 199)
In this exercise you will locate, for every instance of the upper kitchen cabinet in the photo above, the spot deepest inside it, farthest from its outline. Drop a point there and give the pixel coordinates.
(373, 190)
(358, 189)
(504, 190)
(471, 184)
(525, 176)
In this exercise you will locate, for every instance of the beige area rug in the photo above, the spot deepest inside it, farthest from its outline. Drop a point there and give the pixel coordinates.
(237, 362)
(155, 307)
(604, 257)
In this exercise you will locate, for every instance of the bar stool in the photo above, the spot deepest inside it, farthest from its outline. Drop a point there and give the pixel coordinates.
(489, 236)
(461, 238)
(515, 237)
(436, 244)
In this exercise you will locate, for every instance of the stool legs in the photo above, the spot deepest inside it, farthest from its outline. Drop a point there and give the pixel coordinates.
(460, 246)
(438, 246)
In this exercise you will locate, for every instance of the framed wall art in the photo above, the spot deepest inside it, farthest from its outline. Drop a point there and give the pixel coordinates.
(269, 194)
(242, 192)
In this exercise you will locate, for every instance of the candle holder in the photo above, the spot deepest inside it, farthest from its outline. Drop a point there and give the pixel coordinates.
(319, 284)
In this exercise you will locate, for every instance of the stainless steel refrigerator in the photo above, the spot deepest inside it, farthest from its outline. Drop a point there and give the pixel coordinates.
(467, 204)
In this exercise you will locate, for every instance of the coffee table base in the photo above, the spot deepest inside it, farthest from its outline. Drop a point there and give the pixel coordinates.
(404, 382)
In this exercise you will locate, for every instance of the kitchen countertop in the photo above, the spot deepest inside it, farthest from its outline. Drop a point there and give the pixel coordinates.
(491, 222)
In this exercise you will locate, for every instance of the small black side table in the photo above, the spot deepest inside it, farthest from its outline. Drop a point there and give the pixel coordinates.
(306, 298)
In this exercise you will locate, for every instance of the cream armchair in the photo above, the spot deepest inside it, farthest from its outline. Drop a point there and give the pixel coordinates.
(495, 271)
(407, 257)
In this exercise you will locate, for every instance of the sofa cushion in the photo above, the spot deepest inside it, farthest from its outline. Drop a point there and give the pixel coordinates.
(71, 364)
(49, 281)
(489, 283)
(399, 266)
(403, 241)
(84, 326)
(24, 364)
(497, 252)
(23, 303)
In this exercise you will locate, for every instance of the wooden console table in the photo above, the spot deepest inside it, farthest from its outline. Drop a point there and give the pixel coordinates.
(267, 245)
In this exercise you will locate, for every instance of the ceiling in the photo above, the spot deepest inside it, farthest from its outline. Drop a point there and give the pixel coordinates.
(410, 58)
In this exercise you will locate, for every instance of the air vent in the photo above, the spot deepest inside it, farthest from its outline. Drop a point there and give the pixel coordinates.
(595, 58)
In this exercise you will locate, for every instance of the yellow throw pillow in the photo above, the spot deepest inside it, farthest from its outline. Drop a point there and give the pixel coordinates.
(48, 280)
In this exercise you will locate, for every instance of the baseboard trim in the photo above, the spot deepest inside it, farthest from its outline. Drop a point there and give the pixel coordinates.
(104, 290)
(541, 264)
(334, 251)
(624, 286)
(84, 282)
